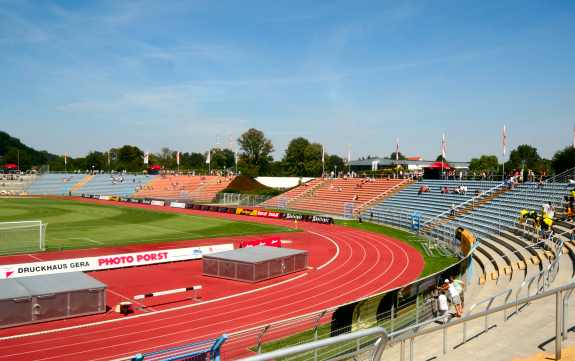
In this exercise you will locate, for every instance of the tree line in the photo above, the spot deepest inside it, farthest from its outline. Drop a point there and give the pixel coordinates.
(253, 158)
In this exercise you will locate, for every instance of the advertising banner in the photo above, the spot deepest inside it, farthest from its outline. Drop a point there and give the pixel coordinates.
(177, 205)
(270, 241)
(109, 261)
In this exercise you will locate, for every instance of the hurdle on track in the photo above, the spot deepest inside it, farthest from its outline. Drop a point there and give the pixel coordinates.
(195, 289)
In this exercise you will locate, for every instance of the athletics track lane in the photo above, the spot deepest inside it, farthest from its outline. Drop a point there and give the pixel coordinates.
(367, 263)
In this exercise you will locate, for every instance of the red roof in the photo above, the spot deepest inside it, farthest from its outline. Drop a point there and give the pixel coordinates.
(10, 166)
(155, 167)
(440, 165)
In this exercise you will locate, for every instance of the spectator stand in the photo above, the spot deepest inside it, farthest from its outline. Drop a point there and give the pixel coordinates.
(197, 351)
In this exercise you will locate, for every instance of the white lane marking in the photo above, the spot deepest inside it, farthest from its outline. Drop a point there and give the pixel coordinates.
(130, 299)
(83, 239)
(149, 314)
(336, 250)
(34, 257)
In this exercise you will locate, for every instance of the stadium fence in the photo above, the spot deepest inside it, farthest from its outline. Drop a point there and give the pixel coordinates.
(370, 344)
(250, 200)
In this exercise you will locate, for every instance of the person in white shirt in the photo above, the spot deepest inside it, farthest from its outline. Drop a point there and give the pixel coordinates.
(442, 306)
(455, 299)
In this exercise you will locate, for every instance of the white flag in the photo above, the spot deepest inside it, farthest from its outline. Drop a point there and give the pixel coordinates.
(178, 158)
(504, 140)
(236, 156)
(349, 155)
(397, 149)
(443, 146)
(322, 154)
(574, 136)
(65, 158)
(146, 158)
(208, 158)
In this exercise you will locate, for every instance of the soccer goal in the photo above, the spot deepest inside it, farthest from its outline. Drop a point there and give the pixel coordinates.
(22, 237)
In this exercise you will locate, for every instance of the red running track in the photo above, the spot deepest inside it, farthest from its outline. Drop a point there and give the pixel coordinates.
(367, 263)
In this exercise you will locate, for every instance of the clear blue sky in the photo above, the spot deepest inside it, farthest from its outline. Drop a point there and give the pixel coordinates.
(79, 75)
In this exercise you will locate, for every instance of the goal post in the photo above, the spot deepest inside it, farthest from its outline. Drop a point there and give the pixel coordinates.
(22, 237)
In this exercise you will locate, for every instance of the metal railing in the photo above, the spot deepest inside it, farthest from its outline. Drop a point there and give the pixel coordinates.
(382, 195)
(378, 346)
(562, 296)
(464, 204)
(250, 200)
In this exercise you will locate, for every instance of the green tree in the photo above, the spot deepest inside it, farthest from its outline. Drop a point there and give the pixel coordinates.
(440, 158)
(312, 155)
(128, 157)
(563, 160)
(222, 159)
(256, 149)
(485, 163)
(401, 156)
(96, 160)
(335, 162)
(524, 156)
(195, 161)
(295, 159)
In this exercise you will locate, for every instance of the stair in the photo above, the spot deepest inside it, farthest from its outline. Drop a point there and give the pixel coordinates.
(383, 195)
(87, 178)
(461, 212)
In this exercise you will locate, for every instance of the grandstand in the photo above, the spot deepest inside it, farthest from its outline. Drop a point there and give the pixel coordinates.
(196, 188)
(15, 184)
(337, 196)
(511, 259)
(494, 222)
(54, 183)
(513, 262)
(111, 184)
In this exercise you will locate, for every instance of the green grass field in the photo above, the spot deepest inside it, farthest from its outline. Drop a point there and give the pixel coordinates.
(73, 224)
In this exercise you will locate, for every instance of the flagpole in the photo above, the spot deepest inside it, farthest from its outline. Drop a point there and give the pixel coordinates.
(322, 160)
(442, 154)
(349, 158)
(504, 151)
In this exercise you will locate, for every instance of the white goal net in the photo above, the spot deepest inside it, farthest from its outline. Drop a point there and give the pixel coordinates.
(22, 237)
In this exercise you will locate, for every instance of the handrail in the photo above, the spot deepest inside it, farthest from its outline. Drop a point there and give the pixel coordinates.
(563, 175)
(379, 196)
(402, 336)
(504, 307)
(375, 331)
(460, 205)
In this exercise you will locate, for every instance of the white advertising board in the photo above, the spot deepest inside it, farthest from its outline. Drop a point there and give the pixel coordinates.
(177, 205)
(109, 261)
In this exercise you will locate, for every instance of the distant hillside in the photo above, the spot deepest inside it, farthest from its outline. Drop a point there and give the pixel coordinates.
(29, 157)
